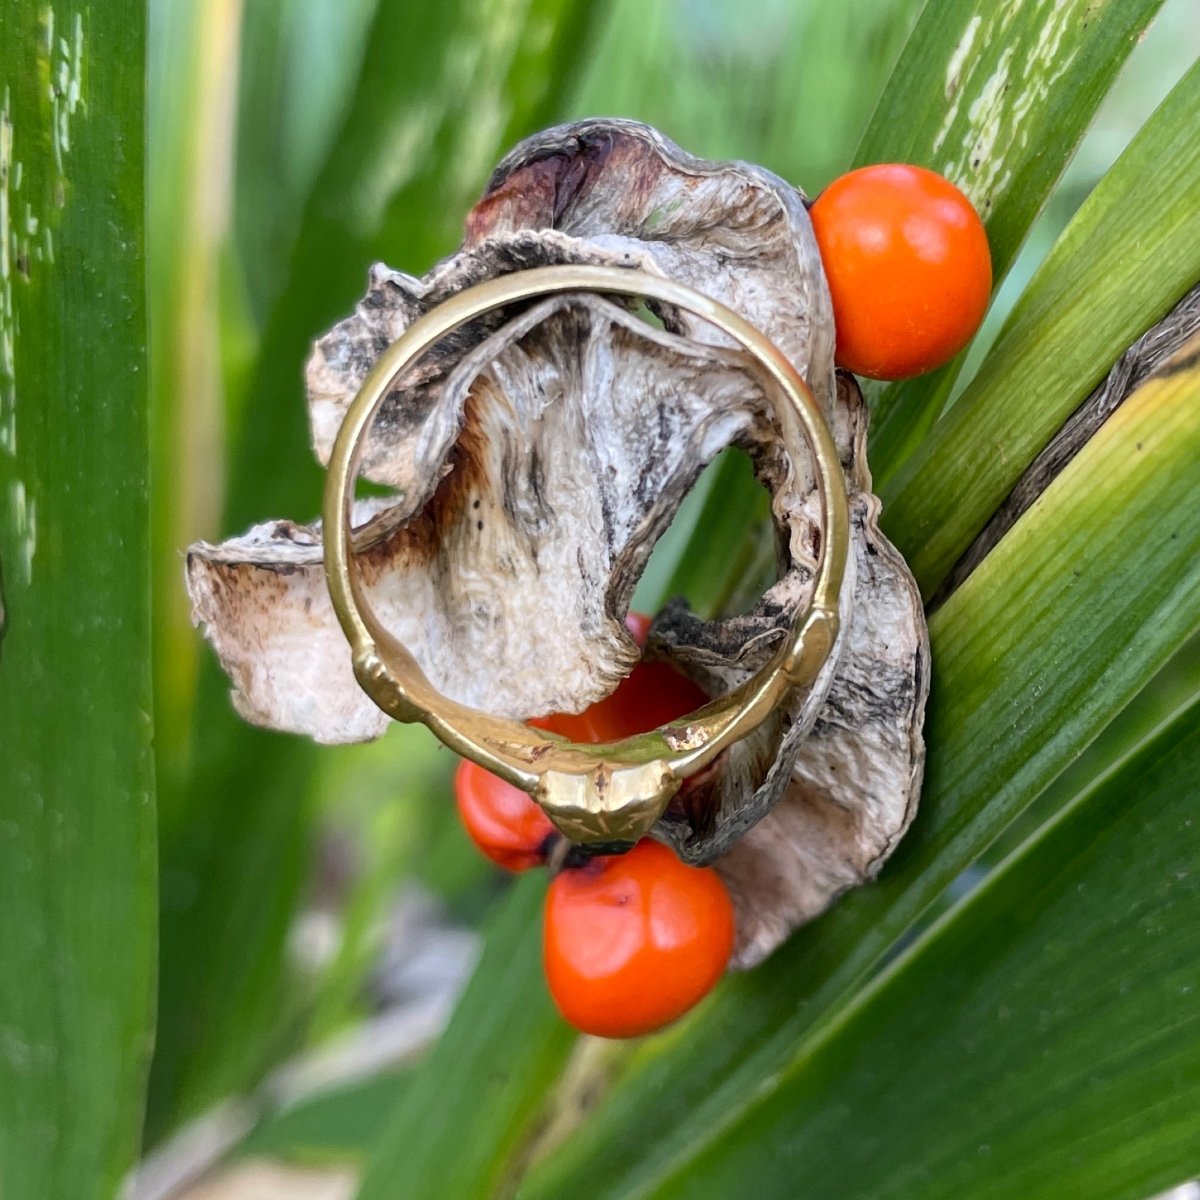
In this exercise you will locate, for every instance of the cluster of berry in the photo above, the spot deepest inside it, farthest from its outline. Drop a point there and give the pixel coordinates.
(630, 941)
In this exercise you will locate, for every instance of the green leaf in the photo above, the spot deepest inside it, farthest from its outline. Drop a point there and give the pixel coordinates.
(1045, 643)
(299, 65)
(996, 98)
(442, 91)
(731, 547)
(1129, 254)
(684, 69)
(478, 1093)
(335, 1126)
(1170, 690)
(1057, 1052)
(76, 796)
(192, 56)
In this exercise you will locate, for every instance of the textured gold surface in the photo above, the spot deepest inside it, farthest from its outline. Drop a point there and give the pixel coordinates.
(614, 791)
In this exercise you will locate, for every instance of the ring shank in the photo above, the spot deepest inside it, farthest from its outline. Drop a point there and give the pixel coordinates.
(612, 791)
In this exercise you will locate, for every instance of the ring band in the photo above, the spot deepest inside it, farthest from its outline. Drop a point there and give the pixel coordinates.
(608, 793)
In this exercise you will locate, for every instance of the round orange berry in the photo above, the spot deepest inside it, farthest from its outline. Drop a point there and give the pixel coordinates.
(908, 265)
(651, 695)
(633, 941)
(501, 819)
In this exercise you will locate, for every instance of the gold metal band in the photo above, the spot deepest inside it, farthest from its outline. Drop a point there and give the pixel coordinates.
(611, 792)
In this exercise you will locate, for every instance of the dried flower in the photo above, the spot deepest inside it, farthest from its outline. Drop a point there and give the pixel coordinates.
(536, 457)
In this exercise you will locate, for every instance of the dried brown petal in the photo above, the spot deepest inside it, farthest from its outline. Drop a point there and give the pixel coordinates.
(506, 583)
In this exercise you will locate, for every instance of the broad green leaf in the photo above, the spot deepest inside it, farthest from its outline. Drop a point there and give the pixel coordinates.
(442, 91)
(1171, 689)
(1045, 643)
(477, 1094)
(1128, 255)
(76, 770)
(192, 66)
(995, 96)
(338, 1125)
(1057, 1052)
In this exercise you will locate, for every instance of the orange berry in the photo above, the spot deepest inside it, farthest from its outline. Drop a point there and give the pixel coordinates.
(908, 265)
(634, 941)
(651, 695)
(501, 819)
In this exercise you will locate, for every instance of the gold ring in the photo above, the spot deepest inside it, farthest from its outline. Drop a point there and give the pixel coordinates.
(608, 793)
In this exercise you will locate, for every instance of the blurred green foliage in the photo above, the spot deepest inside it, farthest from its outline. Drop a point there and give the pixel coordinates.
(291, 143)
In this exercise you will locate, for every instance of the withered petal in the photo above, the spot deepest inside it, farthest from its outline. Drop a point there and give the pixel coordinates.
(855, 778)
(546, 477)
(608, 192)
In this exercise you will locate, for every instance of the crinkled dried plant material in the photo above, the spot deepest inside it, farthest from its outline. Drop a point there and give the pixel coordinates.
(854, 781)
(537, 455)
